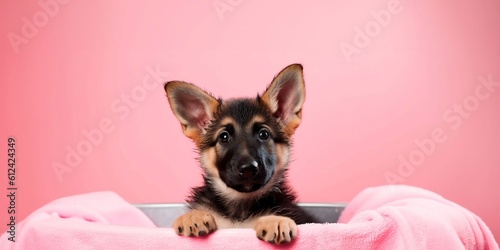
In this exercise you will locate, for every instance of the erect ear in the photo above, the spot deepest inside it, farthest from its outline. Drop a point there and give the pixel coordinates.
(285, 97)
(193, 107)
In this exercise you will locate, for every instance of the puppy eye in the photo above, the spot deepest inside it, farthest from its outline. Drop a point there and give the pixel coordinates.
(224, 137)
(264, 134)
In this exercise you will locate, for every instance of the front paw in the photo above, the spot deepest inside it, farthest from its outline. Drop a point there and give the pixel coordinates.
(195, 223)
(276, 229)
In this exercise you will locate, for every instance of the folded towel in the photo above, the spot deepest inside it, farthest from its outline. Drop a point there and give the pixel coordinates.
(385, 217)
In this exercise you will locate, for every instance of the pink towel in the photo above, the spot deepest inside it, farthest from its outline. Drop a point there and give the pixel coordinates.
(386, 217)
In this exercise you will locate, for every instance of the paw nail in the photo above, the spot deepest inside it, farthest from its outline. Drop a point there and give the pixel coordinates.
(179, 229)
(264, 232)
(201, 233)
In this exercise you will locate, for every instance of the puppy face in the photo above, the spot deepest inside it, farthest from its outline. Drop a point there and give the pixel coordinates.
(243, 143)
(243, 140)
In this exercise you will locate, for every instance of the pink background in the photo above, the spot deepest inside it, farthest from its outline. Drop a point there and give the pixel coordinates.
(363, 112)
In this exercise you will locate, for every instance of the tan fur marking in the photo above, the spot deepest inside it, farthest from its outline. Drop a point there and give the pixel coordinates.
(227, 120)
(233, 195)
(207, 159)
(291, 126)
(255, 119)
(192, 134)
(283, 153)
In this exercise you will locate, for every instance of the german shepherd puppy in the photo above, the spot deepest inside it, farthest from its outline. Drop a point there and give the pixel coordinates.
(244, 146)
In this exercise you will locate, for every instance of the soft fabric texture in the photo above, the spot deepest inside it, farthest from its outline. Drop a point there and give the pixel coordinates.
(385, 217)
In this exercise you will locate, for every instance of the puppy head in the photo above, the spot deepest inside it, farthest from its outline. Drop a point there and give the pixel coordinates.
(243, 143)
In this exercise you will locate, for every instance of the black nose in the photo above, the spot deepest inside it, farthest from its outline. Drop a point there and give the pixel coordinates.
(248, 169)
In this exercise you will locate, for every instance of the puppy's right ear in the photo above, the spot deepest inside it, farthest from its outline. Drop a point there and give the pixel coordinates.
(193, 107)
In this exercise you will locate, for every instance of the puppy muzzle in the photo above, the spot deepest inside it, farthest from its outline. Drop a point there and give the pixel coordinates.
(248, 174)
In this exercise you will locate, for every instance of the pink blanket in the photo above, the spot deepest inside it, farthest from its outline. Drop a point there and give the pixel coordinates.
(386, 217)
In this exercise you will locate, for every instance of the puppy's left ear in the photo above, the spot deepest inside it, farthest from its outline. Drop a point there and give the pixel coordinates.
(285, 97)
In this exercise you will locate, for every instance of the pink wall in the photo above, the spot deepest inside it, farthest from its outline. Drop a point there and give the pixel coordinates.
(388, 82)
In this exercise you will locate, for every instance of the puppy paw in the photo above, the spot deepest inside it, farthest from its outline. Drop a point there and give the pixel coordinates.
(276, 229)
(194, 223)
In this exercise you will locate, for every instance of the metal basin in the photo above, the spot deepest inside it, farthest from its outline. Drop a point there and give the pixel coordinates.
(164, 214)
